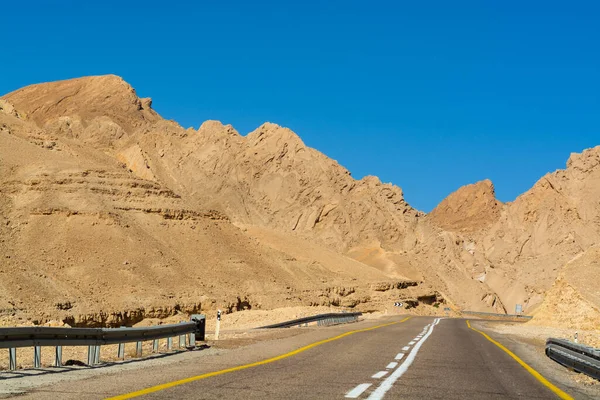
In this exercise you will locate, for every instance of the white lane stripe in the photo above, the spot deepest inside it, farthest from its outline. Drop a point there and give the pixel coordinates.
(390, 380)
(411, 343)
(392, 365)
(357, 391)
(399, 356)
(406, 348)
(380, 374)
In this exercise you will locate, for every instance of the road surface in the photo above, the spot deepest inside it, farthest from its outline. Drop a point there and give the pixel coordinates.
(398, 358)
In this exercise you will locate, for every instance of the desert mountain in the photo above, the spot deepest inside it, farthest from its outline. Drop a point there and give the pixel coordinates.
(523, 246)
(112, 214)
(97, 229)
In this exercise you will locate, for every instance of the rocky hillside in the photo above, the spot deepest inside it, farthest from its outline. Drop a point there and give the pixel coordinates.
(113, 214)
(522, 246)
(97, 230)
(573, 301)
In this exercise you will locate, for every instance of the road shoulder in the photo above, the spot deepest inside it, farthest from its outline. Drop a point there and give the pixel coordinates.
(532, 352)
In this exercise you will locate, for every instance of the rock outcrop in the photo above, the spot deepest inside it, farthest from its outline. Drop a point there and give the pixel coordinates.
(471, 208)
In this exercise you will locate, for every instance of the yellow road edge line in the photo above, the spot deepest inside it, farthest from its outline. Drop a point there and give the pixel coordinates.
(246, 366)
(532, 371)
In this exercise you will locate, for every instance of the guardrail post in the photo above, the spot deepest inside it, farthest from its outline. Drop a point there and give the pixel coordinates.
(121, 348)
(58, 356)
(155, 346)
(91, 355)
(37, 357)
(170, 344)
(97, 355)
(121, 351)
(138, 349)
(12, 358)
(181, 341)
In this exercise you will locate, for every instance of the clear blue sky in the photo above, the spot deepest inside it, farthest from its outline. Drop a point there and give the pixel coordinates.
(428, 95)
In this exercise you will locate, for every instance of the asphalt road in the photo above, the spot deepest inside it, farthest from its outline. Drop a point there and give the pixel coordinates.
(421, 358)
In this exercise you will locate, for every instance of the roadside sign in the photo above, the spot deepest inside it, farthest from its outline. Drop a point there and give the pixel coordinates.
(518, 309)
(397, 304)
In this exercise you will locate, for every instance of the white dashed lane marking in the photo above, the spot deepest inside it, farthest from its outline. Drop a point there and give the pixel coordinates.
(357, 391)
(399, 356)
(380, 374)
(392, 365)
(406, 348)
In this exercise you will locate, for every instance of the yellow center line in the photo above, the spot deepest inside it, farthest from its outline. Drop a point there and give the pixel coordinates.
(532, 371)
(246, 366)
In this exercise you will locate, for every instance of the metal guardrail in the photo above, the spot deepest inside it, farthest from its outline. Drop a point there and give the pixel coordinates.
(576, 356)
(37, 337)
(487, 314)
(321, 319)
